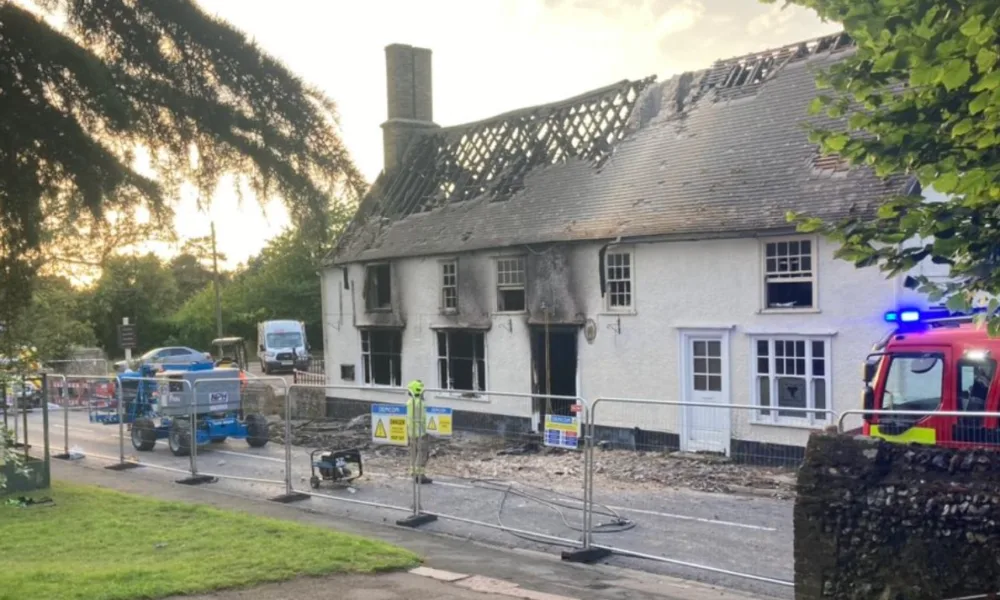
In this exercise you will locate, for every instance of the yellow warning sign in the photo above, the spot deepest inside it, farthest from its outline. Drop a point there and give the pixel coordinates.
(438, 421)
(389, 424)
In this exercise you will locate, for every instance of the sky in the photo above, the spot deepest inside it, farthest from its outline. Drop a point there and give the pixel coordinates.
(489, 57)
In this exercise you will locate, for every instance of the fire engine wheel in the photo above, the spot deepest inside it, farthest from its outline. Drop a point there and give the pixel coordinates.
(179, 438)
(143, 435)
(314, 482)
(257, 430)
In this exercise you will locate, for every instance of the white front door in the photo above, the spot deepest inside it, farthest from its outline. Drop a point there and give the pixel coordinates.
(706, 381)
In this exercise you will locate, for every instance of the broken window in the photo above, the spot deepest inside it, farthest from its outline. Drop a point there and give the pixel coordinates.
(510, 284)
(618, 267)
(789, 277)
(382, 356)
(449, 286)
(791, 373)
(378, 287)
(462, 360)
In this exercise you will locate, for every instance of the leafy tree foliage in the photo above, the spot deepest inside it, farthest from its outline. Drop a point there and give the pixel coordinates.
(198, 97)
(141, 288)
(56, 320)
(921, 98)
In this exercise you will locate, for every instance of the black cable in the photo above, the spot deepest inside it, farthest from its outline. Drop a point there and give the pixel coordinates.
(616, 524)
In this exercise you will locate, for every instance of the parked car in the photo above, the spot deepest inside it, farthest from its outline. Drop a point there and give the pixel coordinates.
(24, 395)
(170, 355)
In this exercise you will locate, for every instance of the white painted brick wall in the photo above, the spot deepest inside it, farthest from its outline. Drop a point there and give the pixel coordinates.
(677, 285)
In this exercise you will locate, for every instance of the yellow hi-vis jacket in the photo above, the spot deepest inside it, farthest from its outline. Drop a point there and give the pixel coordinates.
(416, 423)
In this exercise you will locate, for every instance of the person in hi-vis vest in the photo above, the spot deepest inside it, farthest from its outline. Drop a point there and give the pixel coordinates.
(416, 428)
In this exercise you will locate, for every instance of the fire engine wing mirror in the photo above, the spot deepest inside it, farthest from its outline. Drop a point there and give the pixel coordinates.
(868, 400)
(261, 347)
(869, 371)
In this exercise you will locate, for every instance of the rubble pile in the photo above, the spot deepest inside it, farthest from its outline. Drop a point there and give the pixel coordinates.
(526, 459)
(880, 520)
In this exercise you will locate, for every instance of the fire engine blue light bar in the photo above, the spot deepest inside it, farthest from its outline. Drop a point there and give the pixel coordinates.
(905, 316)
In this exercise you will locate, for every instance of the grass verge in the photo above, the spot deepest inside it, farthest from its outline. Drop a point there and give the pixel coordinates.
(95, 543)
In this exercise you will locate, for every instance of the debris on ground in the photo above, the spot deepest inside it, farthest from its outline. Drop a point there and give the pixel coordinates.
(526, 459)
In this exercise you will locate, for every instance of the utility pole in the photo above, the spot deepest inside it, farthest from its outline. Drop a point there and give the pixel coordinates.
(215, 282)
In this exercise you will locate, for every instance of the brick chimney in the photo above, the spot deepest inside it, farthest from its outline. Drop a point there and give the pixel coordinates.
(410, 100)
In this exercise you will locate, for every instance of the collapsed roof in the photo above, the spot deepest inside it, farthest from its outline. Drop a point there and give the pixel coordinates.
(718, 152)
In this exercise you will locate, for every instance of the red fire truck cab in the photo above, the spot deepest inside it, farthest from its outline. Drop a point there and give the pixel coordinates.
(928, 378)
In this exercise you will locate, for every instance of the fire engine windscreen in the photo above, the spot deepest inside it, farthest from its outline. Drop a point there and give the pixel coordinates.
(913, 383)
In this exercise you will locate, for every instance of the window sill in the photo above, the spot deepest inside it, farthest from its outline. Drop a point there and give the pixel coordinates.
(624, 312)
(789, 311)
(466, 396)
(804, 425)
(513, 313)
(387, 309)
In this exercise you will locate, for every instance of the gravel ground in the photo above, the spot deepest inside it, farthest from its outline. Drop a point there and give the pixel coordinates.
(473, 456)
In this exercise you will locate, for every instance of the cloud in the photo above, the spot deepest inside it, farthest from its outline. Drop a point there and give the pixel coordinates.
(681, 16)
(775, 21)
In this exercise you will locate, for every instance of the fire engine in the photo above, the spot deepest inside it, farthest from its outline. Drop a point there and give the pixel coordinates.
(930, 381)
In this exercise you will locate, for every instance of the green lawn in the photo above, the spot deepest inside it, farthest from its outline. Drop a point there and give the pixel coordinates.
(94, 543)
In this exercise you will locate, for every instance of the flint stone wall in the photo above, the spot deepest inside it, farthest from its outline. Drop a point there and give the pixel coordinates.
(881, 521)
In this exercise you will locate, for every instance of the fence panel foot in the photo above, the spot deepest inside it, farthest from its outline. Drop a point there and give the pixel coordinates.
(197, 480)
(416, 520)
(122, 466)
(289, 498)
(70, 456)
(585, 555)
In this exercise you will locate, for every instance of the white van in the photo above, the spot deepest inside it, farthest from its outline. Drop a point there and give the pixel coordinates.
(282, 346)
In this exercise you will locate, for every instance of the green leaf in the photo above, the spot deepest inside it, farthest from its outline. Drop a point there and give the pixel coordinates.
(887, 211)
(963, 127)
(958, 303)
(986, 59)
(885, 62)
(957, 73)
(972, 27)
(924, 75)
(993, 329)
(979, 103)
(837, 142)
(946, 183)
(988, 82)
(817, 106)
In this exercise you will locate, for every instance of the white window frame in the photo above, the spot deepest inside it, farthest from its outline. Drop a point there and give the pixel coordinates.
(812, 278)
(808, 420)
(631, 307)
(446, 385)
(523, 286)
(445, 286)
(366, 357)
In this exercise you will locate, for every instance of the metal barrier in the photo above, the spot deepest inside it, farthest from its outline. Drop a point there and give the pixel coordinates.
(473, 433)
(347, 412)
(199, 407)
(686, 436)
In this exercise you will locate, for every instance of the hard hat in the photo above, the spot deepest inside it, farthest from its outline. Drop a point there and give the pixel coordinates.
(416, 387)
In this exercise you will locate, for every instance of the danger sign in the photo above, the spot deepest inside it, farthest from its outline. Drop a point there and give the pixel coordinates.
(437, 421)
(389, 424)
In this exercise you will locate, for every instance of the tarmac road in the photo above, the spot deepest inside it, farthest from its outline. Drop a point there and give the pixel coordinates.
(737, 534)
